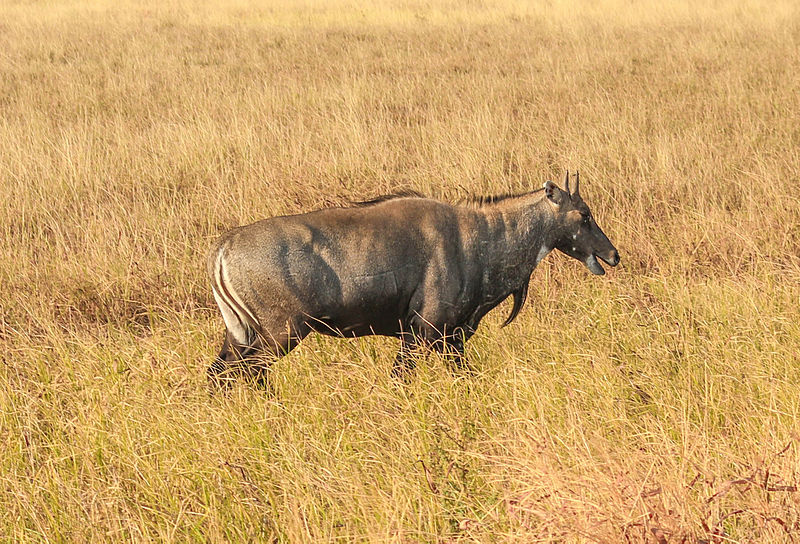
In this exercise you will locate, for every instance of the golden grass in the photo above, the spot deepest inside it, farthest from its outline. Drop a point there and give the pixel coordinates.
(656, 404)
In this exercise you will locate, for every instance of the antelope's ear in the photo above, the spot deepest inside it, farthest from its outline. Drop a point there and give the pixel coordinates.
(553, 193)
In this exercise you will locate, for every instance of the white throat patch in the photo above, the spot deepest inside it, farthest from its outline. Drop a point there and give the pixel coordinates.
(543, 252)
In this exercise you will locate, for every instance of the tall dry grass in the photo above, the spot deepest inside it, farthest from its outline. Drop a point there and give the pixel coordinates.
(656, 404)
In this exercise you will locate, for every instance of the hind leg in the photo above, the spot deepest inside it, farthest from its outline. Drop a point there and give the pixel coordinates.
(249, 345)
(253, 359)
(221, 372)
(236, 359)
(255, 367)
(240, 341)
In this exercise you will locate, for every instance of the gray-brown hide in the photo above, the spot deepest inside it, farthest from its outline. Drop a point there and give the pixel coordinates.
(406, 266)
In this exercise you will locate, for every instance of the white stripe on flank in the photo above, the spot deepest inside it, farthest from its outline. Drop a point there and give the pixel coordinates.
(229, 289)
(238, 319)
(232, 321)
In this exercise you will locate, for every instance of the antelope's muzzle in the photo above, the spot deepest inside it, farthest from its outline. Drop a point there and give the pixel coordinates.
(612, 259)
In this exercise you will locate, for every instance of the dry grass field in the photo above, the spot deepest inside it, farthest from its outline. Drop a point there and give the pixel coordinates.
(659, 403)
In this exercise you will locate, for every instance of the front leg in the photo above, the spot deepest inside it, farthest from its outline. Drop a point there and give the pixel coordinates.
(419, 332)
(405, 361)
(446, 339)
(452, 347)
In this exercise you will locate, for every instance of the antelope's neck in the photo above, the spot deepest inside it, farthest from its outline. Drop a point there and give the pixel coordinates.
(520, 233)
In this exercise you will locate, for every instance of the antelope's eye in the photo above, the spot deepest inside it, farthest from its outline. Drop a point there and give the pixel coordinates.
(585, 220)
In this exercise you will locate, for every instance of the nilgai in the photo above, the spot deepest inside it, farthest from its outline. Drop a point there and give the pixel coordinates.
(404, 266)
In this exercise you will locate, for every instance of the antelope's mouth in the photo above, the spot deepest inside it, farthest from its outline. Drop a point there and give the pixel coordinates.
(594, 266)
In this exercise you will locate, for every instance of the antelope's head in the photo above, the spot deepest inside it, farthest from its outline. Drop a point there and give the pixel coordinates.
(576, 232)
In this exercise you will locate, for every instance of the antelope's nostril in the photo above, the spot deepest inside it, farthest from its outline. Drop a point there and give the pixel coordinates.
(615, 258)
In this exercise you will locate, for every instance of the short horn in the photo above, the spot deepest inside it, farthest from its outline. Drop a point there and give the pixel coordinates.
(577, 183)
(566, 182)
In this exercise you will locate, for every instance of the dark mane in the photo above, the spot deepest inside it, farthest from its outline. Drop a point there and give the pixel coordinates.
(476, 200)
(384, 198)
(493, 199)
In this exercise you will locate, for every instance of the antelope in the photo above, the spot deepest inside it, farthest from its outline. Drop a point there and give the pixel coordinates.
(402, 266)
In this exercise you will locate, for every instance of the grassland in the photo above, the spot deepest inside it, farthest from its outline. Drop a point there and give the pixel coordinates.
(659, 403)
